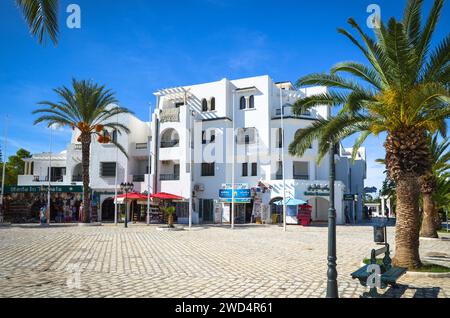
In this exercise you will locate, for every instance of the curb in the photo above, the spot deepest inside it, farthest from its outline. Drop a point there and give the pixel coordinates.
(429, 275)
(89, 224)
(5, 224)
(421, 274)
(168, 229)
(442, 239)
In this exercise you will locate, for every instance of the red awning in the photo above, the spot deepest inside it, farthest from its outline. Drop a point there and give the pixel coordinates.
(133, 196)
(166, 196)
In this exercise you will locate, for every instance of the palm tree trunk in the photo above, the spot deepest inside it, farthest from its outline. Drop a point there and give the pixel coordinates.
(407, 227)
(428, 186)
(429, 220)
(85, 156)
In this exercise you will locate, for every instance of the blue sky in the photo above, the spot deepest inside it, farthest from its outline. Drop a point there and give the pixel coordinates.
(136, 47)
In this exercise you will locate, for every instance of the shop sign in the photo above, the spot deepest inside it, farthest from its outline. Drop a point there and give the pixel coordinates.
(350, 197)
(318, 191)
(236, 200)
(240, 193)
(38, 189)
(236, 186)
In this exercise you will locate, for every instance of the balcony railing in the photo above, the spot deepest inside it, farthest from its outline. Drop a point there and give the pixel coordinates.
(138, 178)
(45, 179)
(289, 113)
(77, 147)
(301, 176)
(170, 115)
(77, 178)
(170, 144)
(169, 177)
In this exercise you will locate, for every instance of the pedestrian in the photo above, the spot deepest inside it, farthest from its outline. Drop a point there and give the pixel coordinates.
(347, 216)
(81, 212)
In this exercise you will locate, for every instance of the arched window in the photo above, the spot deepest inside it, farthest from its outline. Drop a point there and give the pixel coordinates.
(204, 105)
(251, 102)
(213, 104)
(242, 103)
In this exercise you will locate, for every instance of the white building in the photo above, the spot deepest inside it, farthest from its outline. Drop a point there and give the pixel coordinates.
(206, 114)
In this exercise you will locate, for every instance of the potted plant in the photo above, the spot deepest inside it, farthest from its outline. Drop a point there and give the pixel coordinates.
(170, 211)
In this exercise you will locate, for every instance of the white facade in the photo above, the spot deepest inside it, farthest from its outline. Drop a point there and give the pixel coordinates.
(215, 109)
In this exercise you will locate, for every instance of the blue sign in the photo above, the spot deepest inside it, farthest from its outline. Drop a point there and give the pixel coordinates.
(238, 194)
(238, 201)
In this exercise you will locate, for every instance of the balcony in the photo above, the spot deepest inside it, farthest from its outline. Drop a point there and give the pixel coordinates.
(139, 150)
(77, 178)
(301, 176)
(170, 115)
(169, 177)
(170, 143)
(279, 176)
(139, 178)
(28, 180)
(288, 112)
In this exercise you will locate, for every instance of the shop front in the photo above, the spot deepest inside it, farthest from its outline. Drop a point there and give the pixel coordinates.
(23, 203)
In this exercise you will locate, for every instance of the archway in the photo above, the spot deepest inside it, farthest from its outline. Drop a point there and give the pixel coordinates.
(276, 211)
(108, 210)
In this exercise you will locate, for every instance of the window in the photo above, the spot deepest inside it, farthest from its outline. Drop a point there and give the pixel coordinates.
(254, 169)
(178, 105)
(245, 169)
(213, 104)
(203, 137)
(279, 173)
(301, 170)
(114, 136)
(212, 136)
(246, 136)
(204, 105)
(251, 102)
(279, 140)
(107, 169)
(242, 103)
(208, 169)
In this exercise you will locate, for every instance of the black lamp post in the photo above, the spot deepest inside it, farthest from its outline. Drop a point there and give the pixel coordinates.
(126, 187)
(332, 287)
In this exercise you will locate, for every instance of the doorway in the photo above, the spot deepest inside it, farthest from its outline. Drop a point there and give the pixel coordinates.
(108, 210)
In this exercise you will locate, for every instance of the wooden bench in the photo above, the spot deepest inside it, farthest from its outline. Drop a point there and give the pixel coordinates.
(389, 274)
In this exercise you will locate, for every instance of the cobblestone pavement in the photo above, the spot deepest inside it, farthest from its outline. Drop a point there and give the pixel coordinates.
(109, 261)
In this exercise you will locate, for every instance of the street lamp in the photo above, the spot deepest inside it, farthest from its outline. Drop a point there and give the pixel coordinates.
(332, 288)
(126, 187)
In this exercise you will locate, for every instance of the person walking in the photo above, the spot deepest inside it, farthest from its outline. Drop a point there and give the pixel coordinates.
(347, 216)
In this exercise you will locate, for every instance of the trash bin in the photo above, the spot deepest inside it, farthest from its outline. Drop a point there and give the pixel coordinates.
(378, 234)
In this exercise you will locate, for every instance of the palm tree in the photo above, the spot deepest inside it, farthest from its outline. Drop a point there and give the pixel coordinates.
(429, 186)
(41, 17)
(90, 109)
(402, 91)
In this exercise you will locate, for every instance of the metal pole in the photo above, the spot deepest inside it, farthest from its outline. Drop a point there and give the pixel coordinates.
(149, 163)
(446, 216)
(50, 177)
(233, 163)
(126, 208)
(116, 177)
(4, 167)
(190, 160)
(282, 161)
(332, 288)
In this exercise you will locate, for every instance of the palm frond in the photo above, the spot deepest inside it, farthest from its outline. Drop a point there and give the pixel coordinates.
(359, 70)
(41, 17)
